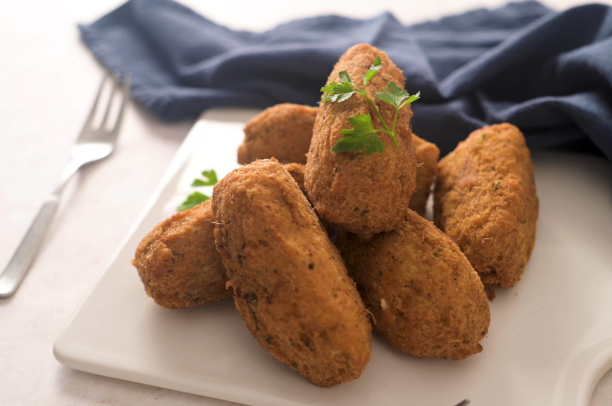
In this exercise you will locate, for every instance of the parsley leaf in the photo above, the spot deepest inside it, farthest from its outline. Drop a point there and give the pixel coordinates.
(362, 136)
(372, 71)
(394, 95)
(192, 201)
(335, 87)
(411, 99)
(210, 179)
(337, 92)
(344, 77)
(362, 122)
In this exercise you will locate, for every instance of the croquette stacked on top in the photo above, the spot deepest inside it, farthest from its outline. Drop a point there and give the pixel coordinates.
(361, 194)
(305, 300)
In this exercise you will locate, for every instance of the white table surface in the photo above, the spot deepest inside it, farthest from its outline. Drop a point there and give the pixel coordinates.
(48, 79)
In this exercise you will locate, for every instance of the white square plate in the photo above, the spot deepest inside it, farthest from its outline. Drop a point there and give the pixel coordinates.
(549, 342)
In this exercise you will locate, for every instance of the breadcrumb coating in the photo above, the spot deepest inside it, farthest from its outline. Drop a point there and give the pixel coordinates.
(427, 154)
(297, 173)
(290, 284)
(283, 132)
(178, 263)
(426, 298)
(485, 200)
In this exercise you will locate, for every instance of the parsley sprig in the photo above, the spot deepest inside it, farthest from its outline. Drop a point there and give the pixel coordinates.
(364, 135)
(209, 178)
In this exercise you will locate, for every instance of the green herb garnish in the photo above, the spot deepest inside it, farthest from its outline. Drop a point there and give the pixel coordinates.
(192, 201)
(209, 179)
(363, 134)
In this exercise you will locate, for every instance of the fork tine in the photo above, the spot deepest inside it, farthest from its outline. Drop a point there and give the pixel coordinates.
(92, 113)
(127, 81)
(114, 80)
(463, 403)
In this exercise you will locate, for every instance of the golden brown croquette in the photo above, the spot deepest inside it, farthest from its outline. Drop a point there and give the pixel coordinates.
(290, 284)
(362, 194)
(485, 200)
(425, 296)
(178, 262)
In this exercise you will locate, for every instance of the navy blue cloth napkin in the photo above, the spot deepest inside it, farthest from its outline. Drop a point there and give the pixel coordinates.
(547, 72)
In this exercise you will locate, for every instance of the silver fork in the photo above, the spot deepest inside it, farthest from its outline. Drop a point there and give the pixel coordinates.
(92, 145)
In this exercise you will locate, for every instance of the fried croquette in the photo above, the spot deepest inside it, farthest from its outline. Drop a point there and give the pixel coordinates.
(362, 194)
(178, 262)
(426, 298)
(485, 200)
(282, 132)
(290, 284)
(297, 173)
(427, 155)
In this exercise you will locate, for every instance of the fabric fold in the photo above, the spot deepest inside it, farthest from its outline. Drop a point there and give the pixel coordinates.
(548, 72)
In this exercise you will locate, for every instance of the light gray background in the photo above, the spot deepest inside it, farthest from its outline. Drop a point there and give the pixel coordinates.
(47, 82)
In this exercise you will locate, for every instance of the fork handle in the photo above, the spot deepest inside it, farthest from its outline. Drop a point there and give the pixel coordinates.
(16, 269)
